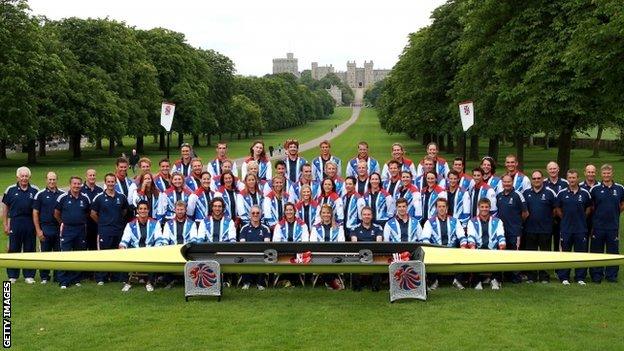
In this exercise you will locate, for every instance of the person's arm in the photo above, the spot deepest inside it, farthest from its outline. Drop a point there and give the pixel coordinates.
(38, 225)
(57, 215)
(6, 220)
(94, 216)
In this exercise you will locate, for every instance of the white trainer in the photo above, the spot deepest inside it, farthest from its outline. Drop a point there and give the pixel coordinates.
(100, 283)
(246, 286)
(260, 287)
(126, 287)
(63, 287)
(495, 284)
(13, 280)
(434, 285)
(44, 281)
(29, 281)
(149, 287)
(479, 286)
(565, 282)
(581, 283)
(458, 285)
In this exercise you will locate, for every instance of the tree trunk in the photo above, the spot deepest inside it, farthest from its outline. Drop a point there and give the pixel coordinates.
(140, 144)
(32, 152)
(239, 136)
(597, 142)
(195, 140)
(180, 139)
(531, 141)
(474, 147)
(120, 142)
(461, 146)
(220, 136)
(546, 141)
(42, 146)
(426, 138)
(565, 148)
(3, 146)
(450, 148)
(493, 147)
(162, 145)
(520, 150)
(98, 144)
(74, 144)
(247, 134)
(441, 144)
(111, 146)
(260, 132)
(155, 141)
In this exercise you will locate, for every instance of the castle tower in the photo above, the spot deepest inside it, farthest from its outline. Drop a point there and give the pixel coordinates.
(351, 78)
(314, 70)
(368, 74)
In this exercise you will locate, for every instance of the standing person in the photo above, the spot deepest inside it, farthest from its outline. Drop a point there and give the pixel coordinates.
(307, 208)
(402, 227)
(379, 200)
(441, 167)
(512, 210)
(145, 165)
(538, 226)
(178, 191)
(71, 211)
(142, 231)
(520, 181)
(162, 180)
(226, 167)
(183, 165)
(180, 229)
(258, 154)
(488, 165)
(367, 231)
(458, 205)
(305, 179)
(411, 193)
(193, 181)
(254, 231)
(392, 182)
(465, 181)
(199, 202)
(214, 166)
(290, 228)
(229, 193)
(361, 179)
(218, 227)
(147, 191)
(18, 220)
(123, 185)
(486, 232)
(248, 197)
(318, 164)
(328, 230)
(428, 165)
(108, 210)
(430, 193)
(274, 202)
(608, 200)
(293, 161)
(353, 204)
(480, 191)
(556, 184)
(573, 205)
(134, 160)
(372, 166)
(91, 189)
(330, 197)
(46, 226)
(589, 182)
(271, 150)
(404, 164)
(280, 170)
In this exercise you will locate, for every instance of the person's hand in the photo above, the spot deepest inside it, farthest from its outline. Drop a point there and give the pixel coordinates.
(40, 235)
(7, 228)
(502, 246)
(518, 243)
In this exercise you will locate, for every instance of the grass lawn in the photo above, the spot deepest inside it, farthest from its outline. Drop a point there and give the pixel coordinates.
(519, 317)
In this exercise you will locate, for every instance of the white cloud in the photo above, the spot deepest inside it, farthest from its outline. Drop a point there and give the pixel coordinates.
(252, 33)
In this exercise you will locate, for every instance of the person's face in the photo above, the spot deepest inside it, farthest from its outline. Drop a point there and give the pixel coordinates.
(507, 183)
(406, 179)
(327, 186)
(349, 186)
(367, 216)
(293, 149)
(362, 151)
(147, 180)
(590, 172)
(226, 167)
(432, 151)
(393, 169)
(122, 169)
(307, 173)
(165, 167)
(145, 167)
(177, 181)
(487, 166)
(375, 180)
(511, 164)
(221, 150)
(253, 169)
(484, 210)
(90, 175)
(428, 165)
(442, 208)
(326, 215)
(180, 212)
(362, 169)
(278, 184)
(306, 194)
(397, 152)
(75, 185)
(185, 151)
(536, 180)
(51, 180)
(197, 168)
(250, 182)
(453, 180)
(289, 212)
(572, 179)
(401, 209)
(23, 178)
(255, 215)
(280, 169)
(458, 166)
(607, 175)
(205, 181)
(324, 149)
(553, 169)
(228, 180)
(217, 209)
(257, 149)
(431, 180)
(110, 183)
(143, 211)
(330, 170)
(477, 177)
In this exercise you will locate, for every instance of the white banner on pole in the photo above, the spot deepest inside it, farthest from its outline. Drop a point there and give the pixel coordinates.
(466, 113)
(166, 115)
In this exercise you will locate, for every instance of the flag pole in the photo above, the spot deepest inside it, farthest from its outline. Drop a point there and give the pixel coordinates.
(168, 135)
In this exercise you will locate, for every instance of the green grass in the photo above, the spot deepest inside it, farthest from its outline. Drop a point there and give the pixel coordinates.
(519, 317)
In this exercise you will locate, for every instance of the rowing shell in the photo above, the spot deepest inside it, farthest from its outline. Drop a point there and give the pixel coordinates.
(326, 258)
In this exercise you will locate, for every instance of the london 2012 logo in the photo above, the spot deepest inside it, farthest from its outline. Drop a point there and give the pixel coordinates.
(202, 276)
(407, 278)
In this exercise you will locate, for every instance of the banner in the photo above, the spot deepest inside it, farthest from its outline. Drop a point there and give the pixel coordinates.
(466, 113)
(166, 115)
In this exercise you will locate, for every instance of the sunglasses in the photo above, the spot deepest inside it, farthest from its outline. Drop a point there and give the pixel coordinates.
(255, 213)
(537, 178)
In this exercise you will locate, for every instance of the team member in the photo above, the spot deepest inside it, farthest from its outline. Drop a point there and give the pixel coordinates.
(280, 170)
(18, 220)
(441, 166)
(465, 181)
(538, 226)
(589, 182)
(198, 206)
(258, 154)
(520, 181)
(91, 189)
(229, 192)
(145, 165)
(193, 180)
(46, 226)
(226, 167)
(163, 179)
(183, 165)
(330, 197)
(512, 210)
(381, 203)
(318, 164)
(178, 191)
(248, 197)
(305, 179)
(108, 210)
(372, 166)
(218, 227)
(608, 200)
(253, 168)
(573, 204)
(486, 232)
(123, 183)
(367, 231)
(293, 160)
(178, 230)
(488, 165)
(275, 202)
(290, 228)
(328, 230)
(402, 227)
(352, 203)
(428, 165)
(142, 231)
(480, 191)
(254, 231)
(392, 182)
(458, 198)
(556, 184)
(71, 211)
(430, 193)
(443, 229)
(307, 208)
(405, 164)
(147, 191)
(331, 170)
(214, 166)
(410, 192)
(361, 184)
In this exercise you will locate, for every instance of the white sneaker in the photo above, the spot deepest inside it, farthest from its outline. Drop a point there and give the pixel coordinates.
(29, 281)
(458, 285)
(13, 280)
(434, 285)
(495, 284)
(126, 287)
(565, 282)
(246, 286)
(63, 287)
(44, 281)
(479, 286)
(100, 283)
(260, 287)
(149, 287)
(581, 283)
(78, 284)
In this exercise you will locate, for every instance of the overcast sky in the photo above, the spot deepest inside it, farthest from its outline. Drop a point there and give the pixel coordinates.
(252, 33)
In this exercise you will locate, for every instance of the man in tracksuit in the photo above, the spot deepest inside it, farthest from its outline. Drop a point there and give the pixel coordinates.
(46, 226)
(17, 217)
(254, 231)
(512, 210)
(71, 211)
(108, 210)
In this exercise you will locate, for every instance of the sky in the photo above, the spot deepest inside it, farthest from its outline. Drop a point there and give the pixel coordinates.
(252, 33)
